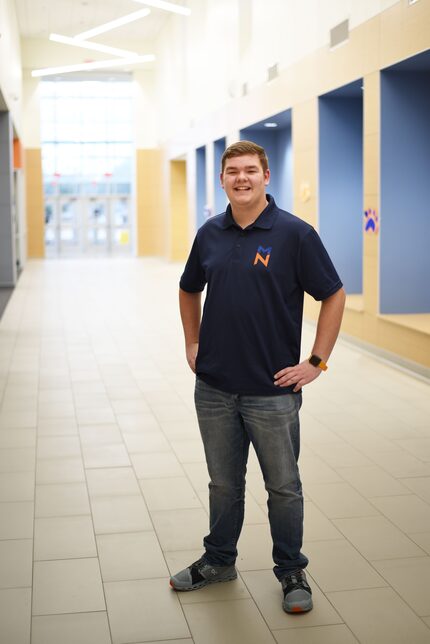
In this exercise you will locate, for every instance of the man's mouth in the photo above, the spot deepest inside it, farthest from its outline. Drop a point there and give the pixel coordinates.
(243, 188)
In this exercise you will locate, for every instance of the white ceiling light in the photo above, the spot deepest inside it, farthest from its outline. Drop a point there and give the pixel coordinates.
(92, 45)
(131, 60)
(270, 124)
(166, 6)
(113, 24)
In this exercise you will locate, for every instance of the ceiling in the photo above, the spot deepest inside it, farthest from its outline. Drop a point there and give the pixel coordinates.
(39, 18)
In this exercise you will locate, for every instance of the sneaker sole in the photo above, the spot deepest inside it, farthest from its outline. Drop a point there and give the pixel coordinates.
(202, 584)
(297, 608)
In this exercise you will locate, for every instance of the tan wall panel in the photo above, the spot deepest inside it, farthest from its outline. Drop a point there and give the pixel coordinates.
(350, 61)
(151, 224)
(304, 177)
(404, 31)
(305, 160)
(371, 163)
(34, 203)
(179, 232)
(406, 342)
(371, 285)
(371, 103)
(305, 124)
(371, 241)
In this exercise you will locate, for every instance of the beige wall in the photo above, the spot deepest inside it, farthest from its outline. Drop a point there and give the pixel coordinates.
(10, 63)
(178, 246)
(34, 203)
(151, 228)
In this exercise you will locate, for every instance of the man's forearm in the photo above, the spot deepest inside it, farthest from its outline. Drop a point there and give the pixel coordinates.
(328, 326)
(190, 308)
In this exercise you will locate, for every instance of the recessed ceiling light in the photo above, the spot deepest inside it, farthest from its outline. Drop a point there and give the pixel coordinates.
(91, 45)
(270, 124)
(166, 6)
(113, 24)
(116, 62)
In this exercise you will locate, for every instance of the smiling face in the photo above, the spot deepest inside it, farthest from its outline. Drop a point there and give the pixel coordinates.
(245, 181)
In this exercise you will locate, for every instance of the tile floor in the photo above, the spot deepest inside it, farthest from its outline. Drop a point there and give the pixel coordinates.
(103, 486)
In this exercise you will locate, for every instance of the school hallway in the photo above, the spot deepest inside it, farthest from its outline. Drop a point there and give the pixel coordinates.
(104, 483)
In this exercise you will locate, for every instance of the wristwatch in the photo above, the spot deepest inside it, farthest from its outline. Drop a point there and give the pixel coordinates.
(317, 362)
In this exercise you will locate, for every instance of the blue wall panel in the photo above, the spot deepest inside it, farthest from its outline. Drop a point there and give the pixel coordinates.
(220, 196)
(405, 192)
(201, 185)
(278, 146)
(341, 185)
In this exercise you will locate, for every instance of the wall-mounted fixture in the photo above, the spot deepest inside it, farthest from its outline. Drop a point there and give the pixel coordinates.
(339, 34)
(272, 72)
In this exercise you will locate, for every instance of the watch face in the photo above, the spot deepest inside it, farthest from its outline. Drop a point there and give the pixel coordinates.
(314, 360)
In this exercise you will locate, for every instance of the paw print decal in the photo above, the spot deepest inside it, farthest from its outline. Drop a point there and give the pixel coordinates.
(371, 221)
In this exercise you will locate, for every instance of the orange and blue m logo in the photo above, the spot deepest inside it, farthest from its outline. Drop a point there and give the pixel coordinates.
(262, 255)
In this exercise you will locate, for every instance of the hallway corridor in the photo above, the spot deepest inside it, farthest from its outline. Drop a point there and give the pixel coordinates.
(103, 483)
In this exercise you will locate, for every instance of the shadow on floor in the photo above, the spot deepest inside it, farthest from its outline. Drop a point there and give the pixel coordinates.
(5, 294)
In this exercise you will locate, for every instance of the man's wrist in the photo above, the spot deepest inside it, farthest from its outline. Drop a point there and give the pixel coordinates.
(316, 361)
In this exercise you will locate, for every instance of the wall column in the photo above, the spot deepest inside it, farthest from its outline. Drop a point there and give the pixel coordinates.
(7, 223)
(371, 155)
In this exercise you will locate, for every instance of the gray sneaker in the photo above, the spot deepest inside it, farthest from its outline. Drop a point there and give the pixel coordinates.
(297, 593)
(200, 574)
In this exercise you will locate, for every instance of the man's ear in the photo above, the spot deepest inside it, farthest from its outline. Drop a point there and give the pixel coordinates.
(267, 177)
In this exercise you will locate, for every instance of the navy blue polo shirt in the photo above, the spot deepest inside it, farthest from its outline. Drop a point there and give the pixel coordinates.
(256, 278)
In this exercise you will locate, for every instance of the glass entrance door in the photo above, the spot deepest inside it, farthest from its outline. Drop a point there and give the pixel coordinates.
(62, 226)
(88, 226)
(68, 228)
(97, 224)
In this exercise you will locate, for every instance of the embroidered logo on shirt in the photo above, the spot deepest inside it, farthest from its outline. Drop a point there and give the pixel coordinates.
(262, 255)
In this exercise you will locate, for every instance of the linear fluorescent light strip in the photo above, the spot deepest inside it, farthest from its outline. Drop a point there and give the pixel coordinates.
(166, 6)
(92, 45)
(131, 60)
(113, 24)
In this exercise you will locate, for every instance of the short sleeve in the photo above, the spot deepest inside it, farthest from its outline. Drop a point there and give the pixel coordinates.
(193, 278)
(316, 272)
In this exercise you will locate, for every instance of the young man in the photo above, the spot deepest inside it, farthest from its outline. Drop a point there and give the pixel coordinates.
(257, 262)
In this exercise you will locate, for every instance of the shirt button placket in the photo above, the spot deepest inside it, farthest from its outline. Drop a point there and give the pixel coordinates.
(237, 252)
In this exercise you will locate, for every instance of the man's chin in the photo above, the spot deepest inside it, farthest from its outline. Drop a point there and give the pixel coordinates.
(241, 197)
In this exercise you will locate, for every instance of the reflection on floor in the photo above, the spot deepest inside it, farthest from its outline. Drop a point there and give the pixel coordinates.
(101, 464)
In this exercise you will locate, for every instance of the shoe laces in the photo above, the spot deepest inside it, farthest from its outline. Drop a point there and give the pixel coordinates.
(199, 563)
(296, 578)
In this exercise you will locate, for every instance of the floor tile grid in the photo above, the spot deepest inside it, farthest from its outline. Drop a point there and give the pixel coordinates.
(160, 544)
(196, 491)
(153, 526)
(41, 615)
(241, 577)
(89, 499)
(378, 513)
(20, 621)
(35, 470)
(155, 532)
(339, 470)
(86, 477)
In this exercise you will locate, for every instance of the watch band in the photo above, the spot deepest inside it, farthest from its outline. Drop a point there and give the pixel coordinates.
(317, 362)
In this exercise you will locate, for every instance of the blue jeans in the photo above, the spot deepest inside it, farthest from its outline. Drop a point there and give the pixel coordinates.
(228, 423)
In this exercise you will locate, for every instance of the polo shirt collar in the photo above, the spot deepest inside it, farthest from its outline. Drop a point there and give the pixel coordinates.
(264, 220)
